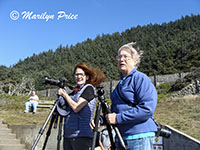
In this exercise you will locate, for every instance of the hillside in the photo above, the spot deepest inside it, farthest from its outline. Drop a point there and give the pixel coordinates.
(168, 48)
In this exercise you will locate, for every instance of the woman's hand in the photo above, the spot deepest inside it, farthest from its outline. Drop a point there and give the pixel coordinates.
(92, 124)
(111, 118)
(76, 106)
(61, 91)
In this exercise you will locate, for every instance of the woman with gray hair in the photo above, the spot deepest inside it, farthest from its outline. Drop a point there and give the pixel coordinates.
(134, 101)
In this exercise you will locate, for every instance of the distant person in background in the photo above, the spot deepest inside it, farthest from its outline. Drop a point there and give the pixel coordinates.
(33, 102)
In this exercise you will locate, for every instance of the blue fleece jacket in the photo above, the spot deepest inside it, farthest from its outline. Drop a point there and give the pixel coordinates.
(136, 88)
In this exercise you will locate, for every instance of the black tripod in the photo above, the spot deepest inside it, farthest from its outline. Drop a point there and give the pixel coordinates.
(105, 109)
(53, 115)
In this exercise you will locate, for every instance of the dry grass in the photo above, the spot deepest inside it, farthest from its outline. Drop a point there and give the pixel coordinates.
(18, 117)
(180, 113)
(12, 112)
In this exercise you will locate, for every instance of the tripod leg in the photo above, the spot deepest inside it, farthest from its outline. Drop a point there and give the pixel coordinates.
(96, 121)
(59, 137)
(110, 136)
(44, 126)
(119, 137)
(106, 110)
(49, 131)
(56, 121)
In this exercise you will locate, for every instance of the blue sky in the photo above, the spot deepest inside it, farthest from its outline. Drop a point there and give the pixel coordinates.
(73, 21)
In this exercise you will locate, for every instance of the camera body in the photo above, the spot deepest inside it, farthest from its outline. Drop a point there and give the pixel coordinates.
(100, 90)
(62, 105)
(60, 83)
(162, 131)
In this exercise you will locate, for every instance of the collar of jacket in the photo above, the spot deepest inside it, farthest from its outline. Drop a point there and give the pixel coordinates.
(131, 73)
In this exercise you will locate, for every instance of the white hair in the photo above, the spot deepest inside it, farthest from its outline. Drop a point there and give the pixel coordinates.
(135, 52)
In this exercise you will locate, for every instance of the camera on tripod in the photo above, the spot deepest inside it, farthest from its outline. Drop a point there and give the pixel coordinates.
(162, 131)
(105, 110)
(62, 105)
(60, 83)
(100, 90)
(59, 109)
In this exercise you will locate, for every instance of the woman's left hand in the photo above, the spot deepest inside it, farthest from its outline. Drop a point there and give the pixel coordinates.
(111, 118)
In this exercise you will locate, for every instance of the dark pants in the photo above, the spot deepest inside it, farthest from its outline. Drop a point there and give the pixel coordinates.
(78, 143)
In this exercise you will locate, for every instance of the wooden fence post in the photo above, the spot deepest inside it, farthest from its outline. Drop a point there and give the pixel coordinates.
(196, 87)
(154, 80)
(111, 85)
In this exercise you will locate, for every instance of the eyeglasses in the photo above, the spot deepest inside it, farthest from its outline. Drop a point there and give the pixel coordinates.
(79, 74)
(126, 57)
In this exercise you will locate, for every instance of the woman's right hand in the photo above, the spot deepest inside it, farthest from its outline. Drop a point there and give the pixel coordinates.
(111, 118)
(92, 124)
(61, 91)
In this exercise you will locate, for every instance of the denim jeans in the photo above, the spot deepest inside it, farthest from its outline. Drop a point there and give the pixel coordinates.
(138, 144)
(31, 103)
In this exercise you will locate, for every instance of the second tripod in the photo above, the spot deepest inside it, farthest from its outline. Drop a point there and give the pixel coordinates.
(105, 110)
(54, 116)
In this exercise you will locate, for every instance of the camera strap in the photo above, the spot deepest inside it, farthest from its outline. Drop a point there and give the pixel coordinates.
(127, 102)
(77, 88)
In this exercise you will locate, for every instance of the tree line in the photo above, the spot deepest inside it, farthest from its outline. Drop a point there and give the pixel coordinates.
(168, 48)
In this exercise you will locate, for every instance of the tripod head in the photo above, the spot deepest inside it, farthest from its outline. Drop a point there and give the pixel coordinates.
(100, 93)
(100, 90)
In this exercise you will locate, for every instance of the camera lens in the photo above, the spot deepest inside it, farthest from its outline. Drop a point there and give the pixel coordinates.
(165, 133)
(61, 82)
(162, 130)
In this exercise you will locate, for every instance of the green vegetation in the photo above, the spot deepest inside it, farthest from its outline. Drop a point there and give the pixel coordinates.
(181, 83)
(168, 48)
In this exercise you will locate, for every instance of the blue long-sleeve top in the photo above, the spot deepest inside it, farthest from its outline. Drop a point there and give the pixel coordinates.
(138, 89)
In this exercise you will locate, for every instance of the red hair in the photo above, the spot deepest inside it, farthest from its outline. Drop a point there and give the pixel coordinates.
(95, 75)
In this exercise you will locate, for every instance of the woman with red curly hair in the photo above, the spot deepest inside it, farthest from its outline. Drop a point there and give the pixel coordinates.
(82, 101)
